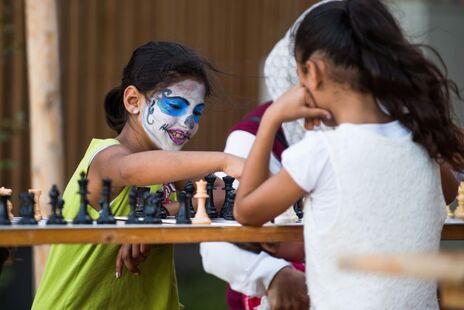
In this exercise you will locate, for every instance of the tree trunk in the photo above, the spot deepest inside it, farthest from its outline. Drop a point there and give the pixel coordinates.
(45, 110)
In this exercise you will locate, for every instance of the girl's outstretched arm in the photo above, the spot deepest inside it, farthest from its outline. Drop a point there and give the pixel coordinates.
(259, 198)
(157, 167)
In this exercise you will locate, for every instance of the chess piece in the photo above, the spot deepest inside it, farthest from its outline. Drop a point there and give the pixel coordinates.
(8, 192)
(227, 211)
(183, 215)
(83, 216)
(189, 189)
(201, 217)
(210, 208)
(106, 217)
(132, 218)
(152, 209)
(37, 210)
(27, 209)
(228, 181)
(140, 201)
(298, 209)
(459, 212)
(160, 209)
(56, 216)
(4, 219)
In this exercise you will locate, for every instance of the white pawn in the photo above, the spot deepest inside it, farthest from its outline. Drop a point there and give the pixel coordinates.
(201, 217)
(8, 192)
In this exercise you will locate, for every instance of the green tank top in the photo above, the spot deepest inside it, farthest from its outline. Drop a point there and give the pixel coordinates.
(83, 276)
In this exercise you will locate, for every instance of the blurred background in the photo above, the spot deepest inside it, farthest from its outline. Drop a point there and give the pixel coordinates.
(96, 38)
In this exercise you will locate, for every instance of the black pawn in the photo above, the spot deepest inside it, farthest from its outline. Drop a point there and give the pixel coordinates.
(228, 181)
(56, 216)
(228, 208)
(210, 209)
(83, 216)
(132, 218)
(106, 217)
(161, 210)
(151, 209)
(27, 209)
(140, 201)
(4, 219)
(297, 207)
(183, 215)
(189, 189)
(59, 212)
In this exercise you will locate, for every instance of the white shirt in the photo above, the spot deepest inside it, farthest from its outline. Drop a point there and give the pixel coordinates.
(307, 162)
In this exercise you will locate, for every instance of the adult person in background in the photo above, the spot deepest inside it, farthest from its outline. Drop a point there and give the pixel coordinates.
(247, 272)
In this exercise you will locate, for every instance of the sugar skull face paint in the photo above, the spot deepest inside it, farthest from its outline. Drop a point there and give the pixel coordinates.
(172, 115)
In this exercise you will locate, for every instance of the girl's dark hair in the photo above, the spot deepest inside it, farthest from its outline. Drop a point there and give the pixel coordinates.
(363, 41)
(152, 66)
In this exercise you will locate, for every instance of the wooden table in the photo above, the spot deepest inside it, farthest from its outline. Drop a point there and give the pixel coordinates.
(166, 233)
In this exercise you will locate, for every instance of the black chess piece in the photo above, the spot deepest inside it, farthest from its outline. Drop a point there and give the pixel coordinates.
(106, 217)
(59, 212)
(56, 216)
(163, 212)
(228, 181)
(140, 201)
(152, 215)
(132, 218)
(83, 216)
(297, 207)
(27, 209)
(183, 214)
(227, 210)
(4, 219)
(189, 189)
(210, 208)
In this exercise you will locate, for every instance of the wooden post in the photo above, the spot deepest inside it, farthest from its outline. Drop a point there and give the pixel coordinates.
(45, 113)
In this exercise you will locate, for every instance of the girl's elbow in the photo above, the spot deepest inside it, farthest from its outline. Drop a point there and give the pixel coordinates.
(245, 219)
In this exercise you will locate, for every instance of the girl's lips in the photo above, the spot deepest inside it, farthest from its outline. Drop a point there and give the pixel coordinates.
(178, 136)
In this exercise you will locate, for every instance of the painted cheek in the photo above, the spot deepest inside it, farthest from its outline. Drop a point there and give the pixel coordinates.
(190, 121)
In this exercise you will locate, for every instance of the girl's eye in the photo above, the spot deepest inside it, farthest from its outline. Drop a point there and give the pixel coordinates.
(175, 106)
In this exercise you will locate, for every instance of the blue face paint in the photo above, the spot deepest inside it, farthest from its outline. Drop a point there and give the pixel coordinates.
(197, 111)
(173, 106)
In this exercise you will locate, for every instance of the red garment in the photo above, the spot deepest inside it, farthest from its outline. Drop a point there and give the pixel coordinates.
(250, 123)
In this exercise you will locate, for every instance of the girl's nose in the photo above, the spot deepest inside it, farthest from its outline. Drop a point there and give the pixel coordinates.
(189, 122)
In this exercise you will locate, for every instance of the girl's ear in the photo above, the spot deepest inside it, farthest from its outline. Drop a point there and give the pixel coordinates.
(132, 99)
(315, 70)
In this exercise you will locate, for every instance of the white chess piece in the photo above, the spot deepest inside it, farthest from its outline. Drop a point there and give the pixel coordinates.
(8, 192)
(201, 217)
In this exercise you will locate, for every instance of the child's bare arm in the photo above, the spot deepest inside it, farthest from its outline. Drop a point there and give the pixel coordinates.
(449, 183)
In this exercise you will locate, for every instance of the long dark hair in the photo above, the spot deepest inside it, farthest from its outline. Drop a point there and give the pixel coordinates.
(152, 66)
(370, 53)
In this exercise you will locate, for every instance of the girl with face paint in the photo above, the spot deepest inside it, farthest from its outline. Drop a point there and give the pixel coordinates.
(155, 111)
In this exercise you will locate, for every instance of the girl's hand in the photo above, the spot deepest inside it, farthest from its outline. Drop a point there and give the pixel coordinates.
(233, 165)
(297, 103)
(131, 255)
